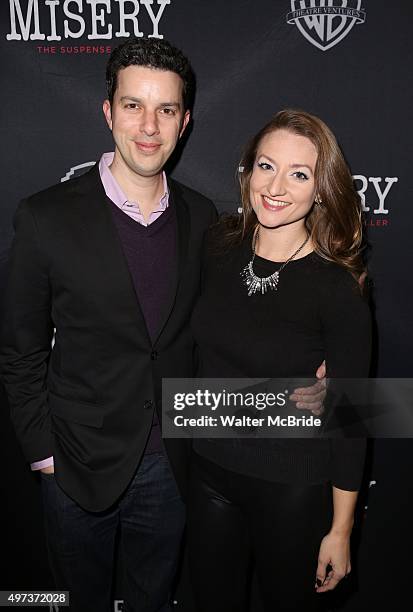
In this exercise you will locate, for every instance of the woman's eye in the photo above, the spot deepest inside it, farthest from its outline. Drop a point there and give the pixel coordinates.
(264, 166)
(301, 176)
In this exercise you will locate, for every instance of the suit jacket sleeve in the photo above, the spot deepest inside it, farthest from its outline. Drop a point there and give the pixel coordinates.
(26, 337)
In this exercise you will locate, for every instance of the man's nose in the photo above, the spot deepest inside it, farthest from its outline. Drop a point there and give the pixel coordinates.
(149, 123)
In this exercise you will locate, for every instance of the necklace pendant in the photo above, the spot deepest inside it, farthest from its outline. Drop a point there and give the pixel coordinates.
(255, 284)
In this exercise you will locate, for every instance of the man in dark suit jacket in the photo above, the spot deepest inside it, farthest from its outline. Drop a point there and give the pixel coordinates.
(109, 264)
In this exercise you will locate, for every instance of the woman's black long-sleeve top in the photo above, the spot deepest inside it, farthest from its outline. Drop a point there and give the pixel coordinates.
(317, 313)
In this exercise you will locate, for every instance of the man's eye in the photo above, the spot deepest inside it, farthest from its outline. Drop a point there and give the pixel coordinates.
(264, 166)
(131, 105)
(168, 111)
(301, 176)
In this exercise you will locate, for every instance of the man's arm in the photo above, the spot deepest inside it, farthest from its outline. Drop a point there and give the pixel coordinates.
(46, 466)
(27, 336)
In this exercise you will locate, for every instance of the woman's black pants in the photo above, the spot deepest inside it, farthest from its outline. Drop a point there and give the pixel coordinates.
(235, 520)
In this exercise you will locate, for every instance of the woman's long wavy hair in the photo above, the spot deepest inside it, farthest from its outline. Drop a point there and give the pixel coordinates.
(334, 224)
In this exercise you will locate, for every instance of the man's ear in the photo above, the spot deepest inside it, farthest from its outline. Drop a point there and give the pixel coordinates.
(107, 111)
(185, 122)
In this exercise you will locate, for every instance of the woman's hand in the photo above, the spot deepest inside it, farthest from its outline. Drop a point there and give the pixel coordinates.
(334, 551)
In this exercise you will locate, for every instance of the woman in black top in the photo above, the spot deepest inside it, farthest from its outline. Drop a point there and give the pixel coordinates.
(280, 294)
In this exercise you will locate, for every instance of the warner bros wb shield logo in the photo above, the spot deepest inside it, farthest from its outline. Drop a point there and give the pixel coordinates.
(325, 23)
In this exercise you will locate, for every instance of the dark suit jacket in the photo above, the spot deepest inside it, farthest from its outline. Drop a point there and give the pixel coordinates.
(89, 402)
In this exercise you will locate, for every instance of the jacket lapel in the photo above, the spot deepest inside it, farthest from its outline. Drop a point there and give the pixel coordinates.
(111, 266)
(182, 239)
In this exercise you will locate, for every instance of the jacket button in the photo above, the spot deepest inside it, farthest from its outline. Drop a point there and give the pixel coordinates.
(147, 404)
(154, 355)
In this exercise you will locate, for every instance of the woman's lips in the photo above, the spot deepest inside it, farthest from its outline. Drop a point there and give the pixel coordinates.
(274, 205)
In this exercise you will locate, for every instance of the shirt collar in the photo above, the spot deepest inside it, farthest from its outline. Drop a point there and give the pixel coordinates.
(114, 191)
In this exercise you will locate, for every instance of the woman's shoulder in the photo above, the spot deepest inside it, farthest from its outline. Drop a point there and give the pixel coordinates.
(226, 225)
(335, 283)
(222, 239)
(331, 271)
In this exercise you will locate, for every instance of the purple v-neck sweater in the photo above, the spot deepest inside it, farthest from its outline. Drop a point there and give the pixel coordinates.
(151, 256)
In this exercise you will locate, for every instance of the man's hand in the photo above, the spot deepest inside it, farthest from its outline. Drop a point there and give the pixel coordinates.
(312, 398)
(48, 470)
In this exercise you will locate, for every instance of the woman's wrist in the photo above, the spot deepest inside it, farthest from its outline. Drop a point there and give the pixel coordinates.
(343, 529)
(344, 503)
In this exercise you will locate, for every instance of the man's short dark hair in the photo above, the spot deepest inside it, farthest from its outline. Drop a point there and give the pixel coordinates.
(152, 53)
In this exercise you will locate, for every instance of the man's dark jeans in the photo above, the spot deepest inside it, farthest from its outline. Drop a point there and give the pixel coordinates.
(81, 544)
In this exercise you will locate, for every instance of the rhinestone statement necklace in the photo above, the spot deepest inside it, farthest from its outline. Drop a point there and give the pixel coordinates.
(256, 284)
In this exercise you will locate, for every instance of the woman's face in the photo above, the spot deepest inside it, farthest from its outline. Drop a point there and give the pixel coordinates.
(282, 183)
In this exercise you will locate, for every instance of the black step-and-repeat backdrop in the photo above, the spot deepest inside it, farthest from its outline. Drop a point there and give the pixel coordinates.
(348, 61)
